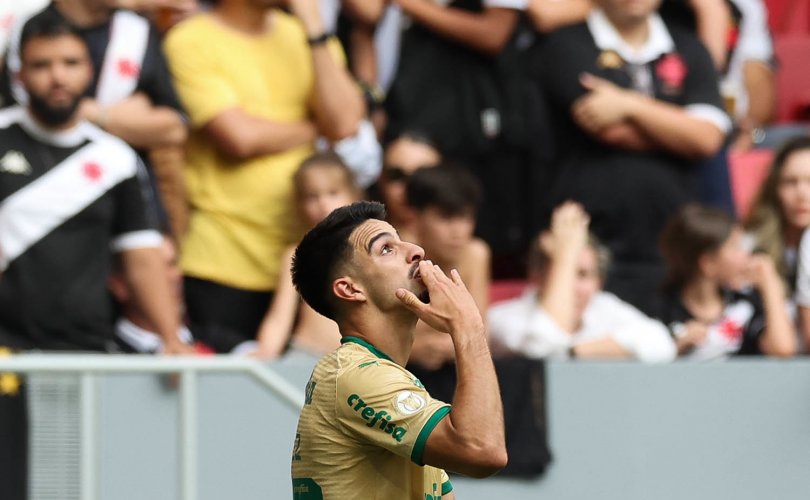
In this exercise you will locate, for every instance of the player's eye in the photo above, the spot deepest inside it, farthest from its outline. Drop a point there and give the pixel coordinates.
(386, 249)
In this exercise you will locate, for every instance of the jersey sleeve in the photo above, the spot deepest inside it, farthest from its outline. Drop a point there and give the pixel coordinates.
(203, 90)
(754, 42)
(135, 222)
(447, 486)
(156, 81)
(381, 403)
(507, 4)
(702, 90)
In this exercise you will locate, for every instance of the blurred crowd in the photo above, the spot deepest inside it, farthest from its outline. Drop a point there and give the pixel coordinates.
(581, 147)
(159, 160)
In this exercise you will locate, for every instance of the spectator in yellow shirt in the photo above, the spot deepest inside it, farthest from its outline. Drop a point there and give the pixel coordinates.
(259, 86)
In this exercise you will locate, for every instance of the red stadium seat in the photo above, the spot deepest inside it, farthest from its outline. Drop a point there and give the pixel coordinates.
(788, 16)
(501, 290)
(793, 77)
(748, 170)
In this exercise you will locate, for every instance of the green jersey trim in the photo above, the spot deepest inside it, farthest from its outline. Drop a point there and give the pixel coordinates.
(447, 487)
(421, 439)
(374, 350)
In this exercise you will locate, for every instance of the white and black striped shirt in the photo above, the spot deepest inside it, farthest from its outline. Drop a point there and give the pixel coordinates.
(68, 201)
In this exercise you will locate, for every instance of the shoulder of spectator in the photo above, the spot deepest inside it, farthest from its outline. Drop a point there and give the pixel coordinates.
(606, 302)
(511, 308)
(477, 252)
(187, 36)
(566, 35)
(96, 133)
(687, 42)
(548, 49)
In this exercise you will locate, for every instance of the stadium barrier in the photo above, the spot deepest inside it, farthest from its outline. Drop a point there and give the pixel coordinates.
(64, 387)
(619, 431)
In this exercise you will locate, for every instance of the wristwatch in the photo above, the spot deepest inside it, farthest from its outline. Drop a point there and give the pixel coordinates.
(320, 39)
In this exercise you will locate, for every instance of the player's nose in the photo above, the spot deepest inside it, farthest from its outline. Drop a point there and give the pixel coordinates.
(415, 253)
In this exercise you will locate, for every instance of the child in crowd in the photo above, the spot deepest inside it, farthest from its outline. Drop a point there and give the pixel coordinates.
(444, 201)
(403, 156)
(710, 309)
(322, 183)
(566, 314)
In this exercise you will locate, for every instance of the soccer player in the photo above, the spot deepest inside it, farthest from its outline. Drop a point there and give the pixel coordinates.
(368, 427)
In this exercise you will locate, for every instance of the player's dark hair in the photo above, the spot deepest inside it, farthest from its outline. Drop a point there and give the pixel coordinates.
(47, 24)
(324, 250)
(450, 189)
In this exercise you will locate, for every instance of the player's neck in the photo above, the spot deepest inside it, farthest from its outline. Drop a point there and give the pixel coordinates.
(389, 334)
(84, 14)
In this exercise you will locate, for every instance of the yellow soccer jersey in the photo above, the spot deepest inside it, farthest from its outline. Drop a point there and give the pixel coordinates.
(363, 429)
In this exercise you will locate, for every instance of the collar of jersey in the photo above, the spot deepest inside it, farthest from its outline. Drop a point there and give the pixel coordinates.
(71, 137)
(607, 37)
(368, 346)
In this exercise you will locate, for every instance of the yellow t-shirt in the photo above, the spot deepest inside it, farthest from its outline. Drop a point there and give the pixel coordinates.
(363, 429)
(243, 214)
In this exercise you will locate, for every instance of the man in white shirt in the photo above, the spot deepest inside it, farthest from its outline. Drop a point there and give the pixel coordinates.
(567, 314)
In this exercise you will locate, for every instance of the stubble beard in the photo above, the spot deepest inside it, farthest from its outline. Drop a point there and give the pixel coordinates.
(53, 116)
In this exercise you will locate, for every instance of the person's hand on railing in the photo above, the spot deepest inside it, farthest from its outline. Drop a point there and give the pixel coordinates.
(178, 348)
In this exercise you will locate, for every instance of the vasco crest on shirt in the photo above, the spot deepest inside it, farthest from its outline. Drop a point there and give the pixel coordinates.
(671, 72)
(609, 59)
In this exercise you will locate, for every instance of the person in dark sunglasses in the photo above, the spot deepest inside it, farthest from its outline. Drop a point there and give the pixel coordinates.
(403, 156)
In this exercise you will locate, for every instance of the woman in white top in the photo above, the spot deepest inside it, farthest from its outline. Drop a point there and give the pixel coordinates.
(566, 313)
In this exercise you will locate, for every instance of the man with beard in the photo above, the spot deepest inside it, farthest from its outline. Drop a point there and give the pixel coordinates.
(131, 95)
(71, 195)
(369, 429)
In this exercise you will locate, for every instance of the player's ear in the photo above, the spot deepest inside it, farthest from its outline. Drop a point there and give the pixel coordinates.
(345, 288)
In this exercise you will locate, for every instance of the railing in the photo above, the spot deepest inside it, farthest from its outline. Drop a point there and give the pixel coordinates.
(618, 431)
(89, 366)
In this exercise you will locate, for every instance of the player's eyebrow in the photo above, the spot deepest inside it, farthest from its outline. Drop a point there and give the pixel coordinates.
(375, 238)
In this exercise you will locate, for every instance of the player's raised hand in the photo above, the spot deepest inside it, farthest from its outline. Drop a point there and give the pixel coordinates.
(452, 308)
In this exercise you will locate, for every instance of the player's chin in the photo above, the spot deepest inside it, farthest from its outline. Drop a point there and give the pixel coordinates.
(420, 290)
